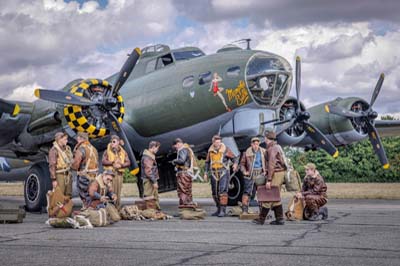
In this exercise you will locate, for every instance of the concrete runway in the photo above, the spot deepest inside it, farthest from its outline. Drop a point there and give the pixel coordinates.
(358, 232)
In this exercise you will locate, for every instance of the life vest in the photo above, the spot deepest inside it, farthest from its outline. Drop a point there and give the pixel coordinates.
(91, 158)
(64, 158)
(217, 157)
(112, 157)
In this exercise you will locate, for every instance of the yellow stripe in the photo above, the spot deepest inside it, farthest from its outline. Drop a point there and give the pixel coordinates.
(84, 85)
(91, 129)
(336, 154)
(297, 58)
(102, 132)
(79, 94)
(120, 120)
(16, 110)
(120, 99)
(122, 110)
(327, 108)
(76, 109)
(80, 129)
(37, 93)
(105, 83)
(135, 171)
(72, 117)
(74, 88)
(94, 81)
(82, 120)
(138, 51)
(71, 125)
(386, 166)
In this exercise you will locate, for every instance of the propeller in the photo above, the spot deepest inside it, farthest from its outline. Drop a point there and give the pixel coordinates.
(8, 107)
(299, 118)
(366, 117)
(105, 103)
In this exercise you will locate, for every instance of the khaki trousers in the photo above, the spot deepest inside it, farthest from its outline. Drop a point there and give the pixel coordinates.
(64, 181)
(117, 182)
(149, 191)
(277, 180)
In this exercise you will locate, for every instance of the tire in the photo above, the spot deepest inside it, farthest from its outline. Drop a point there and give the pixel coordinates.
(37, 183)
(235, 189)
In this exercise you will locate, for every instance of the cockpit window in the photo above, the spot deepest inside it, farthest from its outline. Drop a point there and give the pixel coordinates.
(233, 71)
(163, 61)
(186, 55)
(151, 66)
(268, 79)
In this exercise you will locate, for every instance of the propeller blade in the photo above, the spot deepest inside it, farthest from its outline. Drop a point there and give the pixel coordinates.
(377, 145)
(283, 121)
(9, 108)
(337, 110)
(134, 168)
(320, 139)
(298, 82)
(126, 70)
(376, 90)
(62, 97)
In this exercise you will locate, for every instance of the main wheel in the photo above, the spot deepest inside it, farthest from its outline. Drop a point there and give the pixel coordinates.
(37, 183)
(235, 189)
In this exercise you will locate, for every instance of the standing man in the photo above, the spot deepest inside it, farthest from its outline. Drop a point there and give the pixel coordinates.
(149, 174)
(115, 158)
(217, 166)
(60, 159)
(276, 170)
(252, 165)
(184, 171)
(86, 163)
(313, 193)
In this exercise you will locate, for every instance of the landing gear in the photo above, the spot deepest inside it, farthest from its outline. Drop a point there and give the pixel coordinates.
(37, 183)
(236, 187)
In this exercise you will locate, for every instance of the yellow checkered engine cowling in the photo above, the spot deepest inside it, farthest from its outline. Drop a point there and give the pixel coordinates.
(78, 117)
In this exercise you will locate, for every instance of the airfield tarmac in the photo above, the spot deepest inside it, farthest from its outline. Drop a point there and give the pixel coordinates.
(358, 232)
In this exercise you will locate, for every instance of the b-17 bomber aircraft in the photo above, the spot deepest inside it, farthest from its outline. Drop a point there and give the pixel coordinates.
(161, 94)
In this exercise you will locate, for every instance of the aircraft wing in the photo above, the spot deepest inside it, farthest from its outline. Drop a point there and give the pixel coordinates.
(388, 128)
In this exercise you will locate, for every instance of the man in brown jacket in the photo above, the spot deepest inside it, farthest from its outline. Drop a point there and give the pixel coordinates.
(86, 161)
(100, 190)
(150, 176)
(60, 159)
(184, 170)
(115, 158)
(252, 165)
(313, 193)
(217, 166)
(276, 170)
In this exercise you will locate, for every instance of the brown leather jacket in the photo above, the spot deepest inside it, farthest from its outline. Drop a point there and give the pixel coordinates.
(97, 189)
(81, 157)
(107, 162)
(246, 163)
(314, 185)
(149, 169)
(53, 161)
(275, 161)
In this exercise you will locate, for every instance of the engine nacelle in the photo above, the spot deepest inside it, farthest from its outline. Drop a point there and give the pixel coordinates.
(340, 130)
(293, 135)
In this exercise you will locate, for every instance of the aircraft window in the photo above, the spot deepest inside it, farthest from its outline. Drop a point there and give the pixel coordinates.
(164, 61)
(188, 82)
(260, 65)
(186, 55)
(279, 82)
(151, 66)
(233, 71)
(205, 78)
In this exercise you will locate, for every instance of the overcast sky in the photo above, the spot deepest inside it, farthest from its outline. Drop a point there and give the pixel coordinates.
(344, 45)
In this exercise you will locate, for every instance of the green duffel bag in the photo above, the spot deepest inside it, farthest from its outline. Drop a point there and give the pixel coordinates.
(260, 180)
(113, 212)
(292, 181)
(98, 217)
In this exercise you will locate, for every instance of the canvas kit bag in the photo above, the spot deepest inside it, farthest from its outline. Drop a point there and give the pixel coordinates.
(295, 210)
(11, 213)
(58, 205)
(292, 181)
(98, 217)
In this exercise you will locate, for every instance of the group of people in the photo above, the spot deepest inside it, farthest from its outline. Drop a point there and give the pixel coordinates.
(96, 189)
